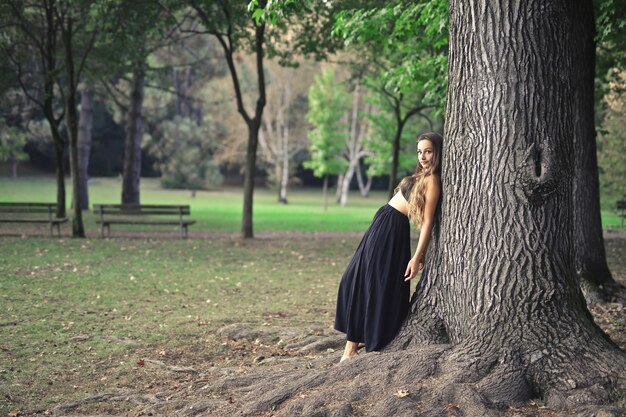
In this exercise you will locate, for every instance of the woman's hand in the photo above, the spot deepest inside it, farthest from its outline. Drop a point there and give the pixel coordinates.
(415, 265)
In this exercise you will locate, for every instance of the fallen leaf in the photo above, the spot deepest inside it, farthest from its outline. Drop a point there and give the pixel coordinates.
(141, 362)
(401, 393)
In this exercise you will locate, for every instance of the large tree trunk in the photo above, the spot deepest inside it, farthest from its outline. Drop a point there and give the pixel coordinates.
(500, 283)
(134, 132)
(590, 259)
(84, 144)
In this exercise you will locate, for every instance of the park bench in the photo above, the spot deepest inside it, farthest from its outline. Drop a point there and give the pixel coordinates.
(138, 214)
(32, 213)
(621, 206)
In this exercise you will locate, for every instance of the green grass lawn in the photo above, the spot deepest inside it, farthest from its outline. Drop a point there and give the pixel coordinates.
(221, 210)
(217, 211)
(77, 315)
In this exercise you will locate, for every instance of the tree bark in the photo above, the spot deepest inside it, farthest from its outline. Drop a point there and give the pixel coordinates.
(71, 115)
(395, 154)
(14, 164)
(134, 132)
(253, 136)
(85, 124)
(364, 186)
(59, 151)
(325, 192)
(500, 282)
(590, 258)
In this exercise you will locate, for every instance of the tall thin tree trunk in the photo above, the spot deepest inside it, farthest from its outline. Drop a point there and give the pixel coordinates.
(284, 141)
(84, 144)
(14, 164)
(71, 114)
(500, 283)
(59, 153)
(395, 158)
(345, 185)
(248, 178)
(590, 259)
(285, 172)
(325, 192)
(339, 185)
(364, 187)
(134, 132)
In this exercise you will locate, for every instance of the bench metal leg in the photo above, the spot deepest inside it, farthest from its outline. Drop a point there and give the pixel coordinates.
(183, 232)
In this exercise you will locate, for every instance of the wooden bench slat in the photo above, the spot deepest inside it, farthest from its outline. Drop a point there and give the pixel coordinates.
(19, 212)
(110, 214)
(25, 220)
(141, 206)
(166, 222)
(14, 204)
(19, 209)
(142, 212)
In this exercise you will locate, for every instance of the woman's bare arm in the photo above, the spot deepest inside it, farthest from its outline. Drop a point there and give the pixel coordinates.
(433, 191)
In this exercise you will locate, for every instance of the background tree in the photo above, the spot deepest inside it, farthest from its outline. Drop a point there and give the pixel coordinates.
(184, 155)
(30, 42)
(612, 157)
(401, 54)
(590, 258)
(234, 27)
(85, 124)
(355, 150)
(12, 142)
(283, 134)
(136, 30)
(327, 105)
(78, 28)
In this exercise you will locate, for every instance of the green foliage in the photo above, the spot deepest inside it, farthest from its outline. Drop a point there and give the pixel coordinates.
(610, 20)
(382, 134)
(12, 142)
(328, 104)
(612, 145)
(184, 153)
(401, 48)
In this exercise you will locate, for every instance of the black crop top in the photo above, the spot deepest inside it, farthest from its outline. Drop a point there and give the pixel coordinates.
(407, 188)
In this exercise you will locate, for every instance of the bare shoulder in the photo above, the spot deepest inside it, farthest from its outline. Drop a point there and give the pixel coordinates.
(433, 182)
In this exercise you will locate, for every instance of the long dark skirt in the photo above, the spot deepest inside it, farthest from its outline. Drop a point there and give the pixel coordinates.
(373, 298)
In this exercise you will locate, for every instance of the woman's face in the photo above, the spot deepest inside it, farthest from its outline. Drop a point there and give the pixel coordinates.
(425, 151)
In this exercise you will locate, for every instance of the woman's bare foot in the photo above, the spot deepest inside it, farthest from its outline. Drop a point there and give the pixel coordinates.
(350, 351)
(360, 346)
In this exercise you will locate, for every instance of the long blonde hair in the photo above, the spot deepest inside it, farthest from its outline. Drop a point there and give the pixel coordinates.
(417, 181)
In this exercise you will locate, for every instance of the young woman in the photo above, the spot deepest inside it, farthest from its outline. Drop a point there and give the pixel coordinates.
(373, 295)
